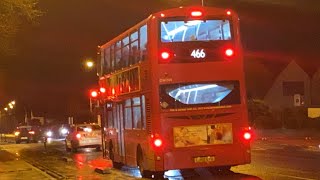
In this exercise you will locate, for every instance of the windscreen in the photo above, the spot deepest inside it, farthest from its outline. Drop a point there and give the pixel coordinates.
(195, 30)
(88, 128)
(189, 95)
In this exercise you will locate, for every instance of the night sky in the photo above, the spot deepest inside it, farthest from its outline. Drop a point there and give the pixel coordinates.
(47, 74)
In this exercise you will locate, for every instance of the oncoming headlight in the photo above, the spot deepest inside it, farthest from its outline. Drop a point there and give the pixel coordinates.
(64, 131)
(49, 133)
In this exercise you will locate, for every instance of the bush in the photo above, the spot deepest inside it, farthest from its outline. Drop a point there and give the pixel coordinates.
(295, 118)
(260, 115)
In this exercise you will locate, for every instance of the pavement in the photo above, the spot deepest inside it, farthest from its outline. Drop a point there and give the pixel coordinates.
(13, 167)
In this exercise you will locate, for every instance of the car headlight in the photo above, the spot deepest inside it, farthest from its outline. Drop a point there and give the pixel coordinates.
(64, 131)
(49, 133)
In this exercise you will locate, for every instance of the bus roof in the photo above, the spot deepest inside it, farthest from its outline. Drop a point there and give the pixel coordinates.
(184, 11)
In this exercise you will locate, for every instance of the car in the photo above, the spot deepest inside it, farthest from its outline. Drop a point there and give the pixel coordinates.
(27, 134)
(83, 136)
(57, 131)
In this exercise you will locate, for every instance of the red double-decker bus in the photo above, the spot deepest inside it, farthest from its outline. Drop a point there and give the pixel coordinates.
(175, 92)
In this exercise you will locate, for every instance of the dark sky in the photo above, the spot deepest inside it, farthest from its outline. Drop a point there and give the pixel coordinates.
(47, 75)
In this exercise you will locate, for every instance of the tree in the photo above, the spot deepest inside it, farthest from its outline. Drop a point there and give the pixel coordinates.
(12, 14)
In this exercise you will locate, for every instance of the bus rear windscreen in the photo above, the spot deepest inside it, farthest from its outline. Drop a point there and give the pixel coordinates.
(191, 95)
(195, 30)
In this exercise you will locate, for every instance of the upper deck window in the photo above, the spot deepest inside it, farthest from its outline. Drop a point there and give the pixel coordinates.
(195, 30)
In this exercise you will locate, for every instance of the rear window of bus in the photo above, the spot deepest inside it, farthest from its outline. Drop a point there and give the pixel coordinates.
(195, 30)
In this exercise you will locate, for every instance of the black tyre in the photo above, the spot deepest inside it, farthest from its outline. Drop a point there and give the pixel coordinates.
(144, 173)
(67, 148)
(111, 153)
(73, 147)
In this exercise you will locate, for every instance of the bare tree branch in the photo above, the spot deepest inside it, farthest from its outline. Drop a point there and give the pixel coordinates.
(12, 14)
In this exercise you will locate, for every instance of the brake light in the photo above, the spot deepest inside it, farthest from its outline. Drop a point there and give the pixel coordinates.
(31, 132)
(229, 52)
(196, 13)
(157, 142)
(78, 136)
(102, 89)
(165, 55)
(247, 136)
(94, 94)
(16, 133)
(228, 12)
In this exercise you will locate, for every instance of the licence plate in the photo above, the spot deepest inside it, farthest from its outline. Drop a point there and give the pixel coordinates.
(24, 137)
(203, 159)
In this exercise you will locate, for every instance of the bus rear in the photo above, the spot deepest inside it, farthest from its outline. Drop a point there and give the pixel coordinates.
(200, 115)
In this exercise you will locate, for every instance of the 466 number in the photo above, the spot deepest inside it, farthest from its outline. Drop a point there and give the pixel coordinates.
(198, 53)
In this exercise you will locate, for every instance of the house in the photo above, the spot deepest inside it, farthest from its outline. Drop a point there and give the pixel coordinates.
(292, 87)
(315, 85)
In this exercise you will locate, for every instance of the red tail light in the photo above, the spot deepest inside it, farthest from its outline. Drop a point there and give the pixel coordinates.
(78, 136)
(157, 142)
(229, 52)
(247, 136)
(102, 90)
(228, 12)
(165, 55)
(94, 94)
(196, 13)
(31, 132)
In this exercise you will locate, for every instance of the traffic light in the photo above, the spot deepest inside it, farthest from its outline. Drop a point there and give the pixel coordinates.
(94, 94)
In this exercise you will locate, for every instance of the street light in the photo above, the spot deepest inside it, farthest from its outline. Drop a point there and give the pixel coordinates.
(89, 64)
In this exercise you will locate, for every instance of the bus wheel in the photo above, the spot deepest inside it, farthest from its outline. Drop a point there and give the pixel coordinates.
(111, 153)
(220, 170)
(158, 175)
(116, 165)
(144, 173)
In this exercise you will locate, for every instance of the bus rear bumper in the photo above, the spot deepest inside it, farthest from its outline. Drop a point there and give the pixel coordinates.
(205, 158)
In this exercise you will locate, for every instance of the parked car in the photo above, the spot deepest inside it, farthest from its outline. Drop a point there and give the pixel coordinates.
(82, 136)
(27, 134)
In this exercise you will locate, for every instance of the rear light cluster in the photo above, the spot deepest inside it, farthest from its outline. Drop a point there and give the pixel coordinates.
(166, 55)
(196, 13)
(247, 134)
(16, 133)
(78, 136)
(229, 52)
(31, 132)
(156, 142)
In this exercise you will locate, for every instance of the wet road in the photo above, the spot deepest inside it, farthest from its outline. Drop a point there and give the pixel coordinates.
(270, 160)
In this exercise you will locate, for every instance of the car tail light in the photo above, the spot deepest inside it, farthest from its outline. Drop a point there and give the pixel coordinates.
(16, 133)
(31, 132)
(228, 12)
(78, 136)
